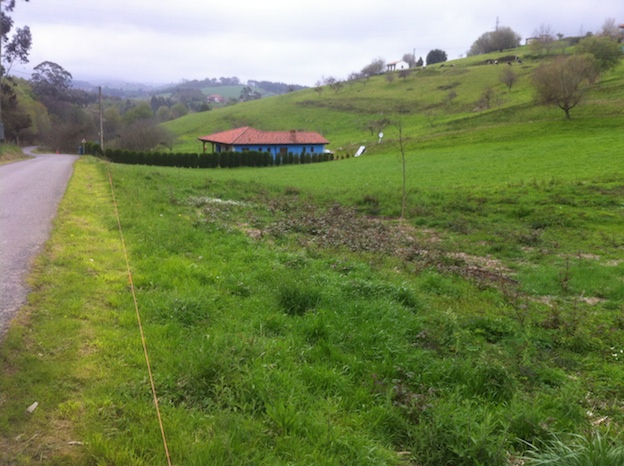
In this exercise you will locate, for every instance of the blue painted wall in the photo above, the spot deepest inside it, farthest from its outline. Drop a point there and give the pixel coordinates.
(296, 149)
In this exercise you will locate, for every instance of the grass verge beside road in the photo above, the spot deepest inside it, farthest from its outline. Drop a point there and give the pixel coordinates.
(55, 351)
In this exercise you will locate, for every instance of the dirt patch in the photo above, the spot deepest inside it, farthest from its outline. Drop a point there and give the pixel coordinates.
(339, 227)
(39, 448)
(550, 300)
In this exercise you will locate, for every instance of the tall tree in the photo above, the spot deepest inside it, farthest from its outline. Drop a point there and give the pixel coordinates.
(436, 56)
(15, 116)
(16, 49)
(565, 81)
(247, 94)
(50, 79)
(500, 39)
(141, 111)
(13, 49)
(410, 59)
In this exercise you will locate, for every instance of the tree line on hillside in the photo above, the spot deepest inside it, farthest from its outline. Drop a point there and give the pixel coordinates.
(268, 86)
(378, 66)
(48, 109)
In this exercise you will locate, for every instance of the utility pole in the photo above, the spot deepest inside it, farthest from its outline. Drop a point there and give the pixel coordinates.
(101, 122)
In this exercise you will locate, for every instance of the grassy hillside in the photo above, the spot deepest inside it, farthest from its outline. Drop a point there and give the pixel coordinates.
(421, 101)
(291, 316)
(448, 144)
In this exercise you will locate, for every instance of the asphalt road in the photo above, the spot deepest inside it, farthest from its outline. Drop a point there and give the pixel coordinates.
(30, 192)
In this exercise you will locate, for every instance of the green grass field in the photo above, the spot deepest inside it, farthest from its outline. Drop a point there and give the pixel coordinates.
(291, 317)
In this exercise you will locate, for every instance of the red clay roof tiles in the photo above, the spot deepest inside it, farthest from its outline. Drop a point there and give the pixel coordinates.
(246, 136)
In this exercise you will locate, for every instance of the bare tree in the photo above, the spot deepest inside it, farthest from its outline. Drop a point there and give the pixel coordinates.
(485, 101)
(353, 78)
(610, 28)
(543, 40)
(402, 143)
(450, 97)
(333, 83)
(374, 68)
(403, 74)
(390, 77)
(565, 81)
(508, 77)
(376, 126)
(318, 88)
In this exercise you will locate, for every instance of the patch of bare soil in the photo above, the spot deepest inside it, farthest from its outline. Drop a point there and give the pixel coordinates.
(342, 227)
(39, 448)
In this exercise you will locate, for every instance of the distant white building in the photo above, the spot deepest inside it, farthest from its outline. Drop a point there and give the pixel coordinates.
(397, 65)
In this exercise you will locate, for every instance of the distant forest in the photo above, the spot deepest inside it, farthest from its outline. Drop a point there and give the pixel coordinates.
(269, 86)
(139, 90)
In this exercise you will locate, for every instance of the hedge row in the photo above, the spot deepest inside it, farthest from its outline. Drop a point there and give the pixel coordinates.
(215, 160)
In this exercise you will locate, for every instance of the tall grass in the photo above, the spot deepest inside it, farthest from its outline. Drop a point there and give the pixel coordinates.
(577, 450)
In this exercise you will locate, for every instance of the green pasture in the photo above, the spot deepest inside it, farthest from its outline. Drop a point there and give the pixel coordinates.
(292, 317)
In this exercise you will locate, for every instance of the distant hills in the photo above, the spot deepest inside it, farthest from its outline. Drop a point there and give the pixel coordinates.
(124, 89)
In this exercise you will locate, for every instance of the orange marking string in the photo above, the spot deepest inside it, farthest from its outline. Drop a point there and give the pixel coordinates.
(138, 315)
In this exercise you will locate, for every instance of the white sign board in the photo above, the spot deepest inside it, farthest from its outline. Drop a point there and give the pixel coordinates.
(360, 151)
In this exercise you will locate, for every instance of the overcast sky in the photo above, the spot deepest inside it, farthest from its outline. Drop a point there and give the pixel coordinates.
(296, 41)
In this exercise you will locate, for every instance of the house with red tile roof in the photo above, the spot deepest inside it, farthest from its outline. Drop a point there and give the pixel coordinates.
(276, 142)
(217, 98)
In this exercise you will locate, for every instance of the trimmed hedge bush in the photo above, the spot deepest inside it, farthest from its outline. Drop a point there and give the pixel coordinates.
(212, 160)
